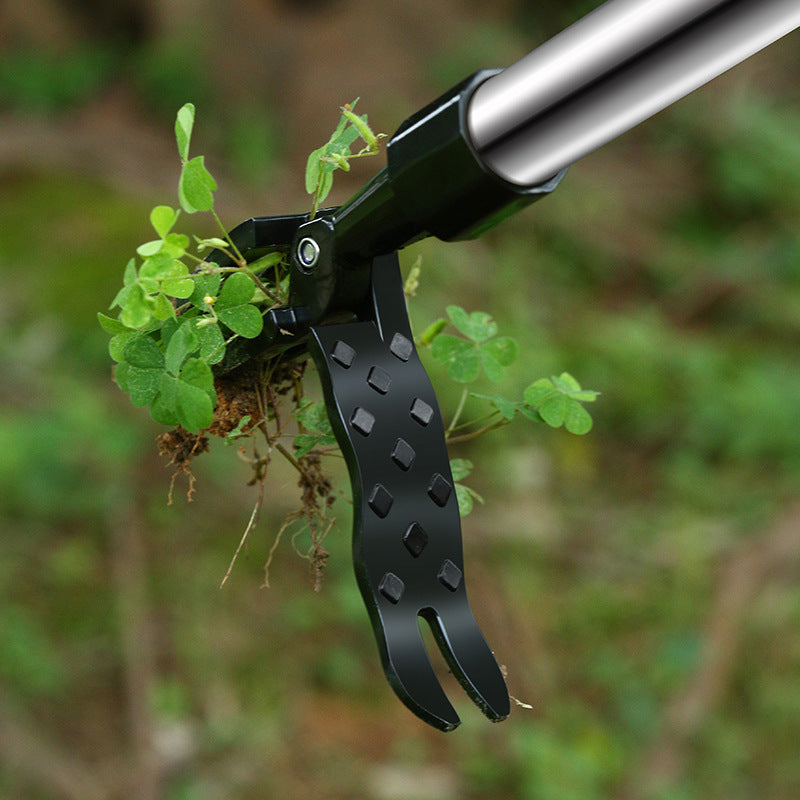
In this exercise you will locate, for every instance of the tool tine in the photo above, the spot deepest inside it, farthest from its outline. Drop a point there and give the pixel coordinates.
(410, 673)
(470, 658)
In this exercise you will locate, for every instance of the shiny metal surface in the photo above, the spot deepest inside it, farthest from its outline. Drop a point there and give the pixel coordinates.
(616, 67)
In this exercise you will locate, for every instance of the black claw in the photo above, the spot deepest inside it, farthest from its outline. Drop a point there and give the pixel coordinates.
(406, 527)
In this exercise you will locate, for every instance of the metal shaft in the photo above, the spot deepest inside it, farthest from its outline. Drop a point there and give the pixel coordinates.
(616, 67)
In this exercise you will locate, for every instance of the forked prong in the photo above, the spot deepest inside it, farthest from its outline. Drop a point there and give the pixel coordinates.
(470, 658)
(409, 671)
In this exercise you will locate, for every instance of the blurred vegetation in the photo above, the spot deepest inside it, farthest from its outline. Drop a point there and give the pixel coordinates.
(640, 584)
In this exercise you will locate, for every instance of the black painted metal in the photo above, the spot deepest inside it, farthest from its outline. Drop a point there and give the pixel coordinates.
(406, 529)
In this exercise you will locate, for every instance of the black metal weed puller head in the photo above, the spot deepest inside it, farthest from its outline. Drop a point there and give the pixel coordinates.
(490, 146)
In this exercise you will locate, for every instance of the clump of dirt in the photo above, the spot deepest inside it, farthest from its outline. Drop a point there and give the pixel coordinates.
(239, 395)
(255, 391)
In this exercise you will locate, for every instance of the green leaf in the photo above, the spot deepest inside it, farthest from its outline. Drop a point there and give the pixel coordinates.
(140, 373)
(538, 392)
(195, 408)
(111, 325)
(181, 288)
(129, 277)
(304, 443)
(136, 313)
(461, 468)
(142, 385)
(198, 374)
(205, 286)
(184, 123)
(461, 357)
(314, 417)
(159, 265)
(314, 169)
(143, 352)
(162, 218)
(196, 186)
(237, 290)
(578, 419)
(478, 326)
(465, 497)
(212, 343)
(554, 410)
(506, 407)
(162, 308)
(326, 185)
(566, 383)
(190, 397)
(150, 248)
(246, 320)
(503, 350)
(184, 342)
(238, 431)
(176, 244)
(116, 346)
(494, 371)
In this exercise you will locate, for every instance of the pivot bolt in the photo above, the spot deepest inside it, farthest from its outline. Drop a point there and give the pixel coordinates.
(308, 253)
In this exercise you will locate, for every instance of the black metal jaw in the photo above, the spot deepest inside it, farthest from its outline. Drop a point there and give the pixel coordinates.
(406, 527)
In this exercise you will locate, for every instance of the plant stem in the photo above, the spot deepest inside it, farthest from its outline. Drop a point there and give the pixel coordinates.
(466, 437)
(225, 233)
(459, 409)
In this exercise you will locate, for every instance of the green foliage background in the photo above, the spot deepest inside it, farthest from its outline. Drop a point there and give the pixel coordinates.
(640, 584)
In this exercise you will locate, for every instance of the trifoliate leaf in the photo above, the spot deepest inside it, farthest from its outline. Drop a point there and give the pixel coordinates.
(196, 186)
(162, 218)
(183, 130)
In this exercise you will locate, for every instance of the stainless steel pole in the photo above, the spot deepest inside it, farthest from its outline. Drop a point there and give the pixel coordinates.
(608, 72)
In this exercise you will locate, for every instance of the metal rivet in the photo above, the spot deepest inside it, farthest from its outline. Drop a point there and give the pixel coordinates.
(308, 253)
